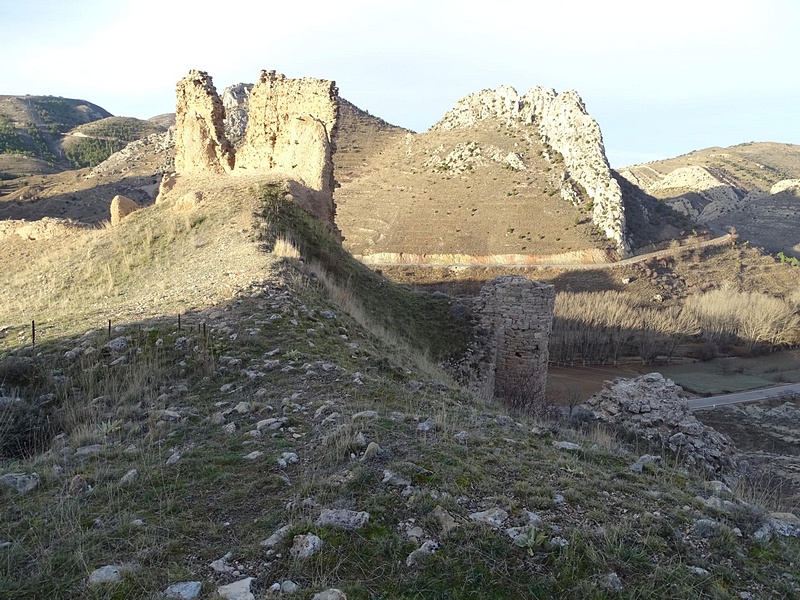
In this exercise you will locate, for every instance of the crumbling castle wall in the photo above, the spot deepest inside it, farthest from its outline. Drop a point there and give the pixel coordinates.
(200, 142)
(517, 315)
(291, 127)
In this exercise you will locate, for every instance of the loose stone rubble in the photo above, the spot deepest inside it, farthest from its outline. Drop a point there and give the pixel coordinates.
(651, 407)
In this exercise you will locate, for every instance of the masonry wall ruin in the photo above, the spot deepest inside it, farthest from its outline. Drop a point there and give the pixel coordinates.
(200, 142)
(290, 133)
(517, 314)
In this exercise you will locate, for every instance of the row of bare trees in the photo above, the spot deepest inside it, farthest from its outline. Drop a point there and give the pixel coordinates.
(603, 327)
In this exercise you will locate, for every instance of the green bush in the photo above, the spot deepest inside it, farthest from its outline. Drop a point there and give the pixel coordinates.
(789, 260)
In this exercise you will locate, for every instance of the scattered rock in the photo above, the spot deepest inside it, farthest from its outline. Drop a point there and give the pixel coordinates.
(173, 459)
(643, 461)
(371, 452)
(21, 482)
(272, 424)
(129, 477)
(719, 489)
(106, 574)
(612, 583)
(781, 524)
(343, 519)
(365, 414)
(254, 455)
(698, 571)
(494, 517)
(394, 479)
(567, 446)
(277, 537)
(305, 545)
(221, 564)
(238, 590)
(117, 344)
(186, 590)
(705, 528)
(417, 556)
(289, 587)
(89, 450)
(330, 594)
(428, 425)
(286, 459)
(445, 520)
(77, 485)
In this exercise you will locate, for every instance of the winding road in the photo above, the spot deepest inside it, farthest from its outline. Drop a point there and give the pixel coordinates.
(792, 389)
(717, 241)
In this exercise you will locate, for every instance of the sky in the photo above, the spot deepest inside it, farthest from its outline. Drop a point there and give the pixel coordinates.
(661, 78)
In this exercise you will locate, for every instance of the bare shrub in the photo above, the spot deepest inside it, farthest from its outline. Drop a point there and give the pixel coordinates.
(726, 316)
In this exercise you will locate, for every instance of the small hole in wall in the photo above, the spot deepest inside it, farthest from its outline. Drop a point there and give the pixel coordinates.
(518, 355)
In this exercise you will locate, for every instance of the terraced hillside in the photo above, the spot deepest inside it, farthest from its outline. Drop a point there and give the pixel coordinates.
(452, 192)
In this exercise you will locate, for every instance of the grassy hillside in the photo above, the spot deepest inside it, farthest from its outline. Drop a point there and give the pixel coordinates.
(31, 127)
(165, 445)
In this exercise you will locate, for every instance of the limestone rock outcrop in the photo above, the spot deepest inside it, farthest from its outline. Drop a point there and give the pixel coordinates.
(121, 207)
(200, 142)
(785, 184)
(564, 126)
(651, 407)
(235, 100)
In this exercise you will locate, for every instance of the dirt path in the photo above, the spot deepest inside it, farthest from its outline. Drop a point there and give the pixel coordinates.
(718, 241)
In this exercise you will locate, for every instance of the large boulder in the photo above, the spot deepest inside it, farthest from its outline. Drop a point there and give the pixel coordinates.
(121, 207)
(651, 407)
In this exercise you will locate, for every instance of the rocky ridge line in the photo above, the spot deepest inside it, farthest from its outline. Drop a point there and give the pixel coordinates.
(564, 125)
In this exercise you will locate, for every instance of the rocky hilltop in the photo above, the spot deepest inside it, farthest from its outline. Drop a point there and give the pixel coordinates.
(752, 187)
(502, 178)
(565, 127)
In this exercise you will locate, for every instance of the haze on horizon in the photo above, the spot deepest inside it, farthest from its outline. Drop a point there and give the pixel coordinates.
(692, 75)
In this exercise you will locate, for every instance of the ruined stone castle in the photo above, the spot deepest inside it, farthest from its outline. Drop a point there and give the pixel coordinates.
(290, 133)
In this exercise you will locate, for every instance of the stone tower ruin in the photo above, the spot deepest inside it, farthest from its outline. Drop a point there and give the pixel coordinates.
(517, 315)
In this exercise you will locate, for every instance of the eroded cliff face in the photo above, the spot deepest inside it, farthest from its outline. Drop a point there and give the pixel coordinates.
(565, 127)
(282, 128)
(200, 142)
